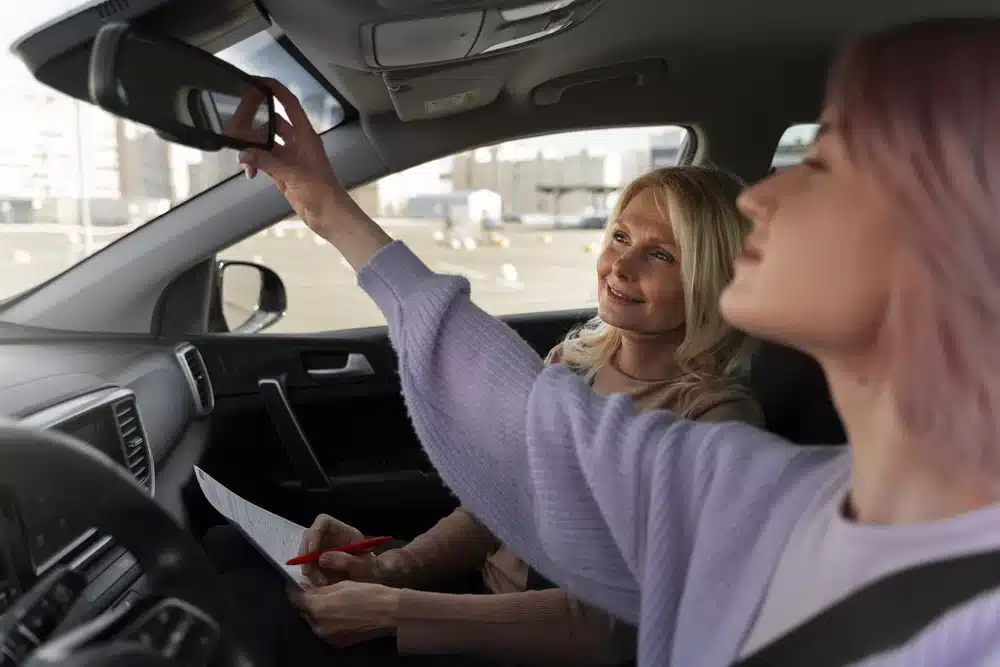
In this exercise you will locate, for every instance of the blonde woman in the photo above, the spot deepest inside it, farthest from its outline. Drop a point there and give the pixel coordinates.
(659, 337)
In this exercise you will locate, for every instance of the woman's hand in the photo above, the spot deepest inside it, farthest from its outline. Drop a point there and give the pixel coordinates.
(302, 172)
(348, 612)
(299, 167)
(327, 533)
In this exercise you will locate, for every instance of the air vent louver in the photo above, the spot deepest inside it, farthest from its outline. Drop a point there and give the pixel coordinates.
(197, 376)
(137, 452)
(111, 7)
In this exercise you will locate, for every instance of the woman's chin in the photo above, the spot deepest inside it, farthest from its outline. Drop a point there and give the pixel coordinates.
(609, 316)
(738, 308)
(612, 315)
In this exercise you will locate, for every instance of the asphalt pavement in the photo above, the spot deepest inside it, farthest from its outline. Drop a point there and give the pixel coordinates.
(518, 269)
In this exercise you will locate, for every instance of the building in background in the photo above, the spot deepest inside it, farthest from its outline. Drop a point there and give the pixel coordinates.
(143, 163)
(212, 169)
(479, 207)
(634, 163)
(69, 162)
(518, 181)
(369, 199)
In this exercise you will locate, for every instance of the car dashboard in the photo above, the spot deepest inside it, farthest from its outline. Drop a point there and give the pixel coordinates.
(141, 404)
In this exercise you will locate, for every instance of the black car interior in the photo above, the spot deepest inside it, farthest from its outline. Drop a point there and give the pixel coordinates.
(792, 391)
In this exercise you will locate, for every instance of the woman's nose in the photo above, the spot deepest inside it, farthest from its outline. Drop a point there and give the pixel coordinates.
(624, 266)
(750, 204)
(758, 201)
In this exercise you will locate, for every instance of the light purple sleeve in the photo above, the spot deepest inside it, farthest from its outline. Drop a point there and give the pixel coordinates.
(591, 493)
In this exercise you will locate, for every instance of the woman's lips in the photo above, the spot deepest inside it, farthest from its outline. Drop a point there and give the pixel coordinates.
(621, 297)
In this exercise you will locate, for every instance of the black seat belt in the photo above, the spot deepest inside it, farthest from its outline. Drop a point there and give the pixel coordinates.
(883, 615)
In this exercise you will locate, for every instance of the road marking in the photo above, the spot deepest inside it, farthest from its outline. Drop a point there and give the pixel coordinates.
(509, 277)
(471, 274)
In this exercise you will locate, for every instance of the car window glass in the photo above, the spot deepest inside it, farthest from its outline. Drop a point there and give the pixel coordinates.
(793, 145)
(74, 179)
(522, 220)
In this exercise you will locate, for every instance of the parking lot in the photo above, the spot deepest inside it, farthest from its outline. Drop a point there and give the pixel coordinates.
(521, 269)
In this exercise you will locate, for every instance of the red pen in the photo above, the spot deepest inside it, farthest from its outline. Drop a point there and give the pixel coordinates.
(354, 548)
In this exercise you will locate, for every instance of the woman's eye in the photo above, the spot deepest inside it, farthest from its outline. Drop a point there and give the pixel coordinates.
(664, 256)
(618, 237)
(814, 163)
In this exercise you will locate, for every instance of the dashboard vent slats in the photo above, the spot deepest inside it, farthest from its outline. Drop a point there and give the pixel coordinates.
(197, 376)
(137, 452)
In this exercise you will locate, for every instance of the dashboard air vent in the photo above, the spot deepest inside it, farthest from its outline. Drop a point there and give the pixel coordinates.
(138, 455)
(108, 9)
(194, 369)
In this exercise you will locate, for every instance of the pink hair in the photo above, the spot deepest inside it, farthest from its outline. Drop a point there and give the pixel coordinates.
(919, 109)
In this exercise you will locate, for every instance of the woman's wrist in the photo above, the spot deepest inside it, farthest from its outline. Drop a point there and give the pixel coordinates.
(389, 569)
(330, 212)
(388, 608)
(348, 228)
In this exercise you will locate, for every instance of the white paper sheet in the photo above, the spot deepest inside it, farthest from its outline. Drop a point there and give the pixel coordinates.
(274, 536)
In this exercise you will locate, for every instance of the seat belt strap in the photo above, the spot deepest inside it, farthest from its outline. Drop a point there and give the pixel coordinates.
(883, 615)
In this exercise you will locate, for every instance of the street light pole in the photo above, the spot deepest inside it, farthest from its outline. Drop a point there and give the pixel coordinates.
(83, 203)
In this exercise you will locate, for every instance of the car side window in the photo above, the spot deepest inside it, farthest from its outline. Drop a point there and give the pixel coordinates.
(522, 220)
(793, 145)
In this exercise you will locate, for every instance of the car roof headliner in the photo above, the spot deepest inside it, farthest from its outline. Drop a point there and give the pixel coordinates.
(703, 36)
(739, 71)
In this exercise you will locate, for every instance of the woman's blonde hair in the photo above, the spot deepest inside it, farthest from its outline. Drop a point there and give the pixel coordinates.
(701, 203)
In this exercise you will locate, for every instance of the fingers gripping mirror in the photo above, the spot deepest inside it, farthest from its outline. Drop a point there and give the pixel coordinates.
(253, 296)
(183, 92)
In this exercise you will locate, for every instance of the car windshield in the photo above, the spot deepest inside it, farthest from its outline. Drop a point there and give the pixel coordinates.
(74, 178)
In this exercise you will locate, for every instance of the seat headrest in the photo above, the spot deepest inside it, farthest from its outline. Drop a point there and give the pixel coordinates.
(794, 396)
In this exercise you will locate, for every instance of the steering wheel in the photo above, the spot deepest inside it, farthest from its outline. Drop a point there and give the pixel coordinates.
(188, 599)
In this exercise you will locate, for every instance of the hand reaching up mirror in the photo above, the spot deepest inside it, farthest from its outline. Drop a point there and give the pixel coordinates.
(298, 165)
(300, 168)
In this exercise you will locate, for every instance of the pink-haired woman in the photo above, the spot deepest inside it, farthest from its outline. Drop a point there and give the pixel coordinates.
(879, 255)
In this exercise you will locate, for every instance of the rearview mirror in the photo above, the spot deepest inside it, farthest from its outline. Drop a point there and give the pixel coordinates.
(185, 93)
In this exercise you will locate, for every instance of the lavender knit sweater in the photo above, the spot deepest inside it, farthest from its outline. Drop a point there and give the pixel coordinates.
(676, 526)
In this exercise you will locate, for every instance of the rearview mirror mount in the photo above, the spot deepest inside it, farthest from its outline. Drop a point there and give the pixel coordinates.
(179, 90)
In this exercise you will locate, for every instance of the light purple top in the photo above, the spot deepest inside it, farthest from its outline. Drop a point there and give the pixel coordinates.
(713, 538)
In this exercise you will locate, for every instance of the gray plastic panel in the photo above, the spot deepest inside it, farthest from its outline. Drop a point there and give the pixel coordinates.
(428, 40)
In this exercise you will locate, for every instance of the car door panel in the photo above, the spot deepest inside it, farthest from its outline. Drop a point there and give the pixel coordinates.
(310, 424)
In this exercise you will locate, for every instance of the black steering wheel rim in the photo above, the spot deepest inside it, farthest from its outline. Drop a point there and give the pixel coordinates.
(74, 476)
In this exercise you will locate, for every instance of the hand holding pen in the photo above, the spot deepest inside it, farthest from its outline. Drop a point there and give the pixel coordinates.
(332, 551)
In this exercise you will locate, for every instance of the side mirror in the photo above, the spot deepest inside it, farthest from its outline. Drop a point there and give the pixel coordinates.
(253, 296)
(179, 90)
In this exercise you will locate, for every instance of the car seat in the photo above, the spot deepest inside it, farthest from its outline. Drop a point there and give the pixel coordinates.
(794, 396)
